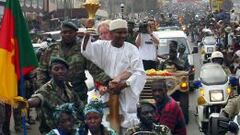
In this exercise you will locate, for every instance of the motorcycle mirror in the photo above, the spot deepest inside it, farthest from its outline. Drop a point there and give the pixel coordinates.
(197, 84)
(233, 81)
(195, 50)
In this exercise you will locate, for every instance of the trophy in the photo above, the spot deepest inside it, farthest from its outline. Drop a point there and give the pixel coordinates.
(91, 7)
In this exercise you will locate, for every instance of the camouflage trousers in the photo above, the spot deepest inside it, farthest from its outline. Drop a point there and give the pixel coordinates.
(81, 90)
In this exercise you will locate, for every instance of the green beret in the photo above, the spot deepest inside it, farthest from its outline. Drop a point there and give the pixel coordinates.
(70, 25)
(59, 60)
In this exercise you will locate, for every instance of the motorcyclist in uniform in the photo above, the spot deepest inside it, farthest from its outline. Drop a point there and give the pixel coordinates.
(217, 57)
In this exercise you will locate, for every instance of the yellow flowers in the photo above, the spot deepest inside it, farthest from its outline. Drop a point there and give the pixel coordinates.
(153, 72)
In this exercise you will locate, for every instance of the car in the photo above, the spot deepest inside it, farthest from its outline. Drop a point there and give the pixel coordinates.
(55, 35)
(36, 46)
(169, 28)
(178, 35)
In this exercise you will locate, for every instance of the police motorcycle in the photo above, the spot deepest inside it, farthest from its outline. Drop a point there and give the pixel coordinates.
(158, 130)
(213, 90)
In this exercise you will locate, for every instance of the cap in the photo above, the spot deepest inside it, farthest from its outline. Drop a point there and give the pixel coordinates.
(70, 25)
(228, 29)
(117, 24)
(59, 60)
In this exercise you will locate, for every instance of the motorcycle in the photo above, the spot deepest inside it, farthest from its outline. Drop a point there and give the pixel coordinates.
(213, 90)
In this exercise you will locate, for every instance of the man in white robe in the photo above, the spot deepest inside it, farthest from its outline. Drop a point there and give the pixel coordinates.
(115, 57)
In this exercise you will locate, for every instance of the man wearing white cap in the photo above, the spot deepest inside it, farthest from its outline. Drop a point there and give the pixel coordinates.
(114, 57)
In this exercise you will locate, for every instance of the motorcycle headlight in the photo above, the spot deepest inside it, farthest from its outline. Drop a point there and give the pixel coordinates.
(209, 49)
(216, 96)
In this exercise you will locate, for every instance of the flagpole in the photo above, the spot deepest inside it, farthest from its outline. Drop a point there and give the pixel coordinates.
(23, 94)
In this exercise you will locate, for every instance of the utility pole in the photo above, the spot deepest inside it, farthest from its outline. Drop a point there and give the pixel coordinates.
(65, 9)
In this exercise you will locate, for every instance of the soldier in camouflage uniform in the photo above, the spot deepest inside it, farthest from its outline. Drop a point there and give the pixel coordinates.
(69, 50)
(54, 93)
(146, 112)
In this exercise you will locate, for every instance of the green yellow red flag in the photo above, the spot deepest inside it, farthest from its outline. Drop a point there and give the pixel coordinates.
(16, 52)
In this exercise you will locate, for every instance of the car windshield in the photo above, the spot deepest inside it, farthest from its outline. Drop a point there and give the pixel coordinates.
(212, 74)
(163, 48)
(209, 41)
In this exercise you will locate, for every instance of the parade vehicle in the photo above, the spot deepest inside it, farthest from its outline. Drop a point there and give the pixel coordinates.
(178, 82)
(212, 92)
(177, 85)
(208, 46)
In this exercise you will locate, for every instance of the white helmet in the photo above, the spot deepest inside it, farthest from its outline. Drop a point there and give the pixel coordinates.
(216, 54)
(217, 57)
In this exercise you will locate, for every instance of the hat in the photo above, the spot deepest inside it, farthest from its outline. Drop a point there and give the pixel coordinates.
(228, 29)
(117, 24)
(59, 60)
(68, 108)
(94, 106)
(70, 25)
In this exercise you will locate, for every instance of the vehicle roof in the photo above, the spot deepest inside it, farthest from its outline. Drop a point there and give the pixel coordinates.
(169, 34)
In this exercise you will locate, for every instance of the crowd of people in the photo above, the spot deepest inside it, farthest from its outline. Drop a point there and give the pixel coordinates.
(117, 59)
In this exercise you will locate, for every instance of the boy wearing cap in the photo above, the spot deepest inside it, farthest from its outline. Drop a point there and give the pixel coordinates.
(114, 57)
(69, 48)
(54, 93)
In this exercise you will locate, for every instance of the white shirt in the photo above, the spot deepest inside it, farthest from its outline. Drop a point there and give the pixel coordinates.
(114, 61)
(147, 48)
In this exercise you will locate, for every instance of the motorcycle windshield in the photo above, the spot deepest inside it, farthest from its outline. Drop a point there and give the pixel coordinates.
(213, 74)
(209, 41)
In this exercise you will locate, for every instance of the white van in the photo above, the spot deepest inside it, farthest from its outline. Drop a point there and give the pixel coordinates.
(166, 36)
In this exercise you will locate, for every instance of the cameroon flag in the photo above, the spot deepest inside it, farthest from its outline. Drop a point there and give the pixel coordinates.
(16, 52)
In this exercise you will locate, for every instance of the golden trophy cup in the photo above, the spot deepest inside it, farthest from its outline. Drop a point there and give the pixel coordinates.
(91, 6)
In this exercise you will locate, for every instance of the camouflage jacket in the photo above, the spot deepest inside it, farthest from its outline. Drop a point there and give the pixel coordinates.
(77, 64)
(52, 96)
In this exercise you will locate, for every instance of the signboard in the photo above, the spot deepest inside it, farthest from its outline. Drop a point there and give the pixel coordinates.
(216, 4)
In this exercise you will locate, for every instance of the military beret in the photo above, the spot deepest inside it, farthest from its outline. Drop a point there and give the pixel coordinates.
(59, 60)
(70, 25)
